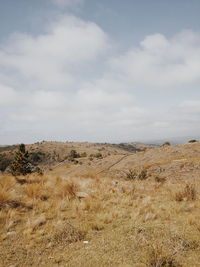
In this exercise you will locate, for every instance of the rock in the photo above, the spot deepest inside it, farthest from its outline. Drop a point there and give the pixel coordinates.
(11, 233)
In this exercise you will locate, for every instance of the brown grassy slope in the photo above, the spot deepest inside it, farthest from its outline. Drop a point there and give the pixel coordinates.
(56, 152)
(62, 149)
(176, 161)
(46, 221)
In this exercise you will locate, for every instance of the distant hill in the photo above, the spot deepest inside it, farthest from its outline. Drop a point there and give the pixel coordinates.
(8, 148)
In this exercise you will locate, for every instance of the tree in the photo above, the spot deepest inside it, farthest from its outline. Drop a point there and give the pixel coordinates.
(21, 164)
(192, 141)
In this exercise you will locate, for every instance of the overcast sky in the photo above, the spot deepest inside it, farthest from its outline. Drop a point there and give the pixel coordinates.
(105, 71)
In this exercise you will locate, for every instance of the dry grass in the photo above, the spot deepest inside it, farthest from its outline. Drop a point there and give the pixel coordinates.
(189, 193)
(67, 234)
(67, 189)
(159, 258)
(125, 222)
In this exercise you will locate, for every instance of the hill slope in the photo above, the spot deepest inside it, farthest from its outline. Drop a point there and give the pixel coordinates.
(102, 211)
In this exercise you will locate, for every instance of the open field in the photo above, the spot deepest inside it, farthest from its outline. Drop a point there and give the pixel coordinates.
(125, 209)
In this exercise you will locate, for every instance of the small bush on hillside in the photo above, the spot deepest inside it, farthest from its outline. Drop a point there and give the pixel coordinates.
(131, 174)
(160, 179)
(188, 193)
(97, 155)
(69, 234)
(166, 144)
(143, 175)
(73, 155)
(37, 157)
(192, 141)
(21, 164)
(159, 258)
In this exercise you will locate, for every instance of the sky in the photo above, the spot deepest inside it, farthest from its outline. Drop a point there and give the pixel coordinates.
(99, 71)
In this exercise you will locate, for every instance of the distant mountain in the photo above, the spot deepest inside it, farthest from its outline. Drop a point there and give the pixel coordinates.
(135, 146)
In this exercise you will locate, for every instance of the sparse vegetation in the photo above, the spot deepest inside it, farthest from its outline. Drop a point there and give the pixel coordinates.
(192, 141)
(73, 155)
(188, 193)
(76, 215)
(83, 155)
(166, 144)
(37, 157)
(97, 155)
(131, 174)
(143, 175)
(5, 162)
(20, 164)
(159, 258)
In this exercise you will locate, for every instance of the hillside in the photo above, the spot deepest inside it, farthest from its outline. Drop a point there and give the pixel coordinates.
(122, 209)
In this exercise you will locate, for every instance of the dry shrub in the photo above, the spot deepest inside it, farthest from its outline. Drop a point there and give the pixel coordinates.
(160, 179)
(3, 216)
(158, 257)
(189, 193)
(4, 198)
(7, 196)
(7, 184)
(36, 179)
(131, 174)
(96, 225)
(68, 234)
(34, 191)
(34, 223)
(182, 243)
(140, 175)
(92, 205)
(67, 190)
(143, 174)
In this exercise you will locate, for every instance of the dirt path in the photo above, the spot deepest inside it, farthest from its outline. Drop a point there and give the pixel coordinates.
(118, 161)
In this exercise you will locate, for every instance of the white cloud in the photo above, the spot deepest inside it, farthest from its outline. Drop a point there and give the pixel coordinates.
(49, 60)
(190, 105)
(7, 95)
(66, 3)
(66, 83)
(162, 62)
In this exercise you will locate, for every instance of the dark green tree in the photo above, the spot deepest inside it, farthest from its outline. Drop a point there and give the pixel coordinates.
(21, 164)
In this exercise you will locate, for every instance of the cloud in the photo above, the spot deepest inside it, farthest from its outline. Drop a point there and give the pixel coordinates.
(68, 83)
(49, 60)
(162, 62)
(67, 3)
(7, 95)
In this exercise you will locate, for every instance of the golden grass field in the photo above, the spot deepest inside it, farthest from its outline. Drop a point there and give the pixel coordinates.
(90, 214)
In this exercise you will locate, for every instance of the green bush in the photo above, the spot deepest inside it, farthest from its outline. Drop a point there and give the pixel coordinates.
(73, 155)
(20, 164)
(37, 157)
